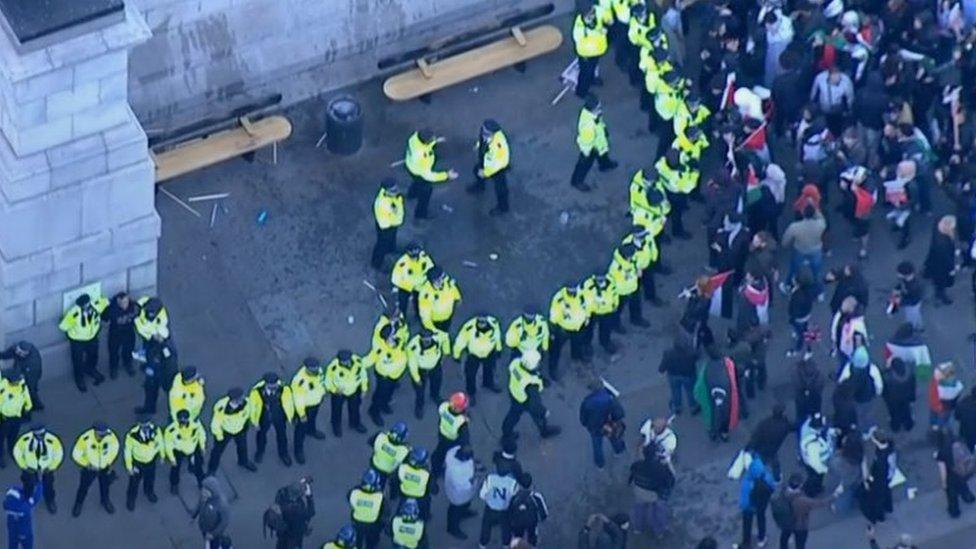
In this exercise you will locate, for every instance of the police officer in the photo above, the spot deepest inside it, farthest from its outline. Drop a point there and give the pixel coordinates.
(409, 274)
(691, 114)
(602, 295)
(15, 405)
(569, 314)
(646, 259)
(152, 323)
(345, 538)
(424, 353)
(120, 316)
(493, 160)
(81, 324)
(528, 332)
(388, 358)
(366, 501)
(388, 213)
(593, 142)
(185, 440)
(655, 63)
(640, 23)
(626, 280)
(389, 450)
(413, 480)
(161, 369)
(394, 318)
(590, 38)
(668, 101)
(272, 405)
(308, 390)
(187, 393)
(142, 448)
(407, 527)
(39, 454)
(669, 171)
(231, 420)
(28, 360)
(419, 160)
(452, 429)
(649, 206)
(525, 390)
(95, 453)
(481, 338)
(436, 300)
(346, 382)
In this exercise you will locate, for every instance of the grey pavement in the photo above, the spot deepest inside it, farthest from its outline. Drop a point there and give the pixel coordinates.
(246, 298)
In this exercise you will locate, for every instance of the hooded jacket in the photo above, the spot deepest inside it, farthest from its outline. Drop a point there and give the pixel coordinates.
(213, 514)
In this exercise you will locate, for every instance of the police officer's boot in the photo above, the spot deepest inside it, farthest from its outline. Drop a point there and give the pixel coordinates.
(109, 508)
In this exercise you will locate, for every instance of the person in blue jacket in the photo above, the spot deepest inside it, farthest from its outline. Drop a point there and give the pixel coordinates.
(758, 485)
(602, 416)
(19, 508)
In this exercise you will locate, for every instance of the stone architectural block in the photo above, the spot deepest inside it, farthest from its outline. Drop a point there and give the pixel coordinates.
(26, 268)
(143, 276)
(48, 308)
(138, 231)
(99, 119)
(77, 251)
(49, 282)
(97, 268)
(83, 96)
(34, 225)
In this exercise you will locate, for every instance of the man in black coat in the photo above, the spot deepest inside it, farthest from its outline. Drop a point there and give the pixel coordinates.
(28, 360)
(679, 364)
(601, 414)
(966, 416)
(768, 436)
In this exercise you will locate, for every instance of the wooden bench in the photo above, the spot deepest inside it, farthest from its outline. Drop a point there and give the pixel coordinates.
(511, 50)
(223, 145)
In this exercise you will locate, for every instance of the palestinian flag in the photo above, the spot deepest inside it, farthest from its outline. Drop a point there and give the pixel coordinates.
(728, 92)
(912, 351)
(715, 284)
(753, 187)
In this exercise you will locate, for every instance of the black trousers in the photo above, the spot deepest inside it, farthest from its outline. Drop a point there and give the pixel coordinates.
(499, 181)
(747, 517)
(105, 478)
(535, 409)
(84, 361)
(901, 415)
(587, 73)
(281, 436)
(799, 536)
(150, 388)
(577, 347)
(403, 301)
(634, 307)
(423, 189)
(956, 489)
(585, 162)
(9, 431)
(385, 387)
(240, 442)
(649, 283)
(605, 324)
(146, 475)
(121, 343)
(431, 381)
(679, 204)
(30, 479)
(352, 403)
(471, 365)
(305, 428)
(456, 514)
(440, 452)
(194, 464)
(385, 245)
(489, 520)
(367, 534)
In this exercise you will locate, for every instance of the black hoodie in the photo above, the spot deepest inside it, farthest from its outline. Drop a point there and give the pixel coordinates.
(871, 101)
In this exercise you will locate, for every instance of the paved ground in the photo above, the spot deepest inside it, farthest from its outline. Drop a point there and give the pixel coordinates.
(247, 298)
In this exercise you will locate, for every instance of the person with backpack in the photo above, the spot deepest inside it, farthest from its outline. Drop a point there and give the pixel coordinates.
(213, 512)
(791, 510)
(860, 195)
(290, 514)
(497, 492)
(602, 416)
(956, 465)
(755, 489)
(527, 510)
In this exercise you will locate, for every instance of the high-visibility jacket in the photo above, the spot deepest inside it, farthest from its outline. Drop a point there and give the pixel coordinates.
(637, 30)
(668, 100)
(158, 326)
(653, 71)
(38, 455)
(450, 424)
(590, 41)
(528, 335)
(647, 252)
(413, 480)
(691, 151)
(409, 273)
(227, 421)
(496, 155)
(624, 274)
(685, 118)
(402, 332)
(569, 312)
(423, 358)
(688, 177)
(603, 299)
(186, 396)
(257, 398)
(346, 380)
(591, 133)
(83, 324)
(668, 176)
(366, 506)
(604, 11)
(520, 379)
(389, 359)
(407, 533)
(387, 455)
(388, 209)
(15, 400)
(621, 8)
(477, 342)
(420, 159)
(307, 389)
(184, 439)
(437, 304)
(98, 454)
(138, 450)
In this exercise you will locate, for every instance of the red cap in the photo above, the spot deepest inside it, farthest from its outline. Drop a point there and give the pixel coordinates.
(459, 402)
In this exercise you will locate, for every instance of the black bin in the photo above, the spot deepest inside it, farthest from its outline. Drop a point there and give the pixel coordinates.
(343, 125)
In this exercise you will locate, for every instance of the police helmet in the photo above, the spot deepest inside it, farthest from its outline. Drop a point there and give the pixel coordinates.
(435, 273)
(189, 373)
(399, 431)
(183, 417)
(371, 479)
(389, 184)
(410, 509)
(413, 249)
(346, 536)
(417, 456)
(344, 356)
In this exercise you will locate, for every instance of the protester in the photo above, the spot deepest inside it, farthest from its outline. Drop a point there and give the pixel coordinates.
(601, 532)
(651, 481)
(847, 466)
(755, 489)
(956, 466)
(940, 263)
(899, 394)
(945, 388)
(602, 416)
(875, 498)
(213, 511)
(460, 486)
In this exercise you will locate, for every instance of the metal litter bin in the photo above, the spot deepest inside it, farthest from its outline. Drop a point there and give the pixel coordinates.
(343, 125)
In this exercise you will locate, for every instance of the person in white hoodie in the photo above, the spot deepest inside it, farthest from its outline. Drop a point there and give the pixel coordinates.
(816, 448)
(779, 34)
(497, 492)
(460, 486)
(868, 384)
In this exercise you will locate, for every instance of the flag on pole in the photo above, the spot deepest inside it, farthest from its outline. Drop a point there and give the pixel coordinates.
(912, 351)
(714, 287)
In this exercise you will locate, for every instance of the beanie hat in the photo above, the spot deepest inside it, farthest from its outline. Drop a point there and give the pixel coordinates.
(860, 357)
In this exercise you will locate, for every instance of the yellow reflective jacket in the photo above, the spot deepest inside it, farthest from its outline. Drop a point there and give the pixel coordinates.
(139, 451)
(496, 156)
(38, 455)
(450, 424)
(668, 100)
(569, 312)
(387, 455)
(258, 404)
(646, 253)
(637, 31)
(83, 324)
(15, 400)
(99, 454)
(420, 159)
(604, 299)
(409, 273)
(526, 335)
(520, 379)
(388, 358)
(668, 176)
(186, 396)
(307, 389)
(624, 274)
(422, 358)
(346, 380)
(401, 333)
(437, 304)
(685, 118)
(388, 209)
(146, 328)
(590, 41)
(185, 440)
(478, 343)
(591, 134)
(226, 421)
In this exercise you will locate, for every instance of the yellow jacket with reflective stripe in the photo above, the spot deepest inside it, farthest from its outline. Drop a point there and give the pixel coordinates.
(387, 455)
(688, 177)
(478, 343)
(603, 301)
(257, 399)
(388, 209)
(402, 332)
(450, 424)
(624, 274)
(346, 381)
(185, 440)
(421, 359)
(637, 31)
(591, 133)
(148, 328)
(366, 506)
(83, 324)
(186, 396)
(225, 422)
(437, 304)
(139, 452)
(497, 156)
(569, 312)
(621, 8)
(654, 73)
(97, 454)
(668, 177)
(647, 252)
(590, 41)
(520, 379)
(684, 118)
(691, 151)
(389, 359)
(420, 160)
(31, 455)
(407, 533)
(409, 273)
(307, 389)
(413, 480)
(668, 100)
(15, 400)
(528, 335)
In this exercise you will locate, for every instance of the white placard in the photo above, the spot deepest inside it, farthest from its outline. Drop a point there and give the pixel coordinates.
(94, 291)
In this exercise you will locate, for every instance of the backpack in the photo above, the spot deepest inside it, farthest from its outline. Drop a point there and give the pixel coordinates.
(963, 460)
(782, 509)
(760, 493)
(289, 500)
(522, 512)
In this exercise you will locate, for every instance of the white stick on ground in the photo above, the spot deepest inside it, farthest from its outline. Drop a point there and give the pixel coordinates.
(205, 197)
(180, 202)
